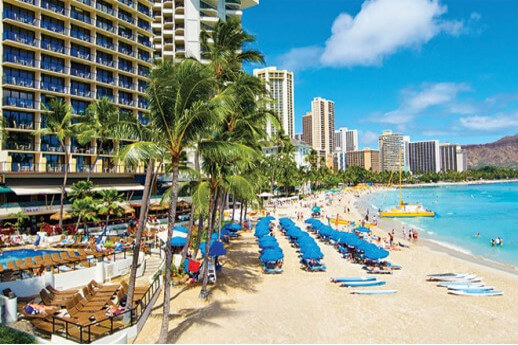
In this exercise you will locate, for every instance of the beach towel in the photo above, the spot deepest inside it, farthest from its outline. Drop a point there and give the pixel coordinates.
(193, 266)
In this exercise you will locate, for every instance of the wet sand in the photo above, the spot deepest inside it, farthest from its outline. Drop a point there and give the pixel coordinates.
(247, 306)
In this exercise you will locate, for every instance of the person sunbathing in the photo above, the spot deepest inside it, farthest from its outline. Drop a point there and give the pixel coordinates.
(38, 309)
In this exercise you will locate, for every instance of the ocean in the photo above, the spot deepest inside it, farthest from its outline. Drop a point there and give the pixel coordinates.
(461, 212)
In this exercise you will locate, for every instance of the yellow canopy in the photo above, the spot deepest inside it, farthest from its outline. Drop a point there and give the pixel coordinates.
(66, 215)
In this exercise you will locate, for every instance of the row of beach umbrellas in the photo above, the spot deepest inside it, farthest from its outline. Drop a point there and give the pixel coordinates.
(349, 239)
(270, 251)
(309, 249)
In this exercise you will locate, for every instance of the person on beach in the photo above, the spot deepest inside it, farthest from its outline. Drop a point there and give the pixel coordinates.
(404, 233)
(391, 238)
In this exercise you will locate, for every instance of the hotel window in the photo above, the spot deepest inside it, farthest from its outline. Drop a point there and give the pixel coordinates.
(105, 24)
(104, 41)
(53, 5)
(80, 33)
(105, 58)
(125, 98)
(19, 56)
(52, 24)
(79, 70)
(104, 92)
(21, 161)
(80, 51)
(52, 83)
(79, 107)
(15, 98)
(125, 65)
(144, 24)
(104, 76)
(126, 49)
(125, 81)
(18, 77)
(19, 119)
(125, 32)
(50, 143)
(79, 89)
(52, 63)
(54, 44)
(80, 14)
(19, 14)
(17, 34)
(126, 16)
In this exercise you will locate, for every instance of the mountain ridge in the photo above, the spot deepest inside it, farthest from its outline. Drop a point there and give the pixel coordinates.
(503, 152)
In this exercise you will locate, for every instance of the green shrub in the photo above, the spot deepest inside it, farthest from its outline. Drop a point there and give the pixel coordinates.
(11, 336)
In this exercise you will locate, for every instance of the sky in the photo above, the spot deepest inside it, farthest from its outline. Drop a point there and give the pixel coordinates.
(431, 69)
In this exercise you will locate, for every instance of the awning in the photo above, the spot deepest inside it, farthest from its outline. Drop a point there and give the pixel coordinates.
(41, 189)
(4, 189)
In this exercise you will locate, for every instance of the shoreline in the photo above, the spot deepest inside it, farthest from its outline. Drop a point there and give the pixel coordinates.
(444, 247)
(461, 183)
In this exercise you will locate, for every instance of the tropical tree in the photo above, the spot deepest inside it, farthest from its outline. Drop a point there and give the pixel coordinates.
(110, 203)
(99, 122)
(58, 118)
(86, 209)
(20, 220)
(182, 106)
(80, 190)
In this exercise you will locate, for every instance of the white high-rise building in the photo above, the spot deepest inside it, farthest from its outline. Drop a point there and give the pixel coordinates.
(178, 23)
(346, 140)
(393, 149)
(279, 84)
(323, 125)
(452, 157)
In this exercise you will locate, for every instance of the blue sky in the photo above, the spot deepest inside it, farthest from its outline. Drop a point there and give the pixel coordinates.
(431, 69)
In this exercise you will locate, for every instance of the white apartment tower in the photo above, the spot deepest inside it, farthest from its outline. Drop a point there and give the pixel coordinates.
(279, 84)
(346, 140)
(323, 125)
(178, 23)
(452, 158)
(393, 149)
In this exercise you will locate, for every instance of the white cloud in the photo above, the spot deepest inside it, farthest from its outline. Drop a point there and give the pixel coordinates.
(369, 137)
(415, 101)
(380, 29)
(490, 123)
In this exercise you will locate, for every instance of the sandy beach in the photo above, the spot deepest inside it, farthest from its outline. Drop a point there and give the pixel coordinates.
(247, 306)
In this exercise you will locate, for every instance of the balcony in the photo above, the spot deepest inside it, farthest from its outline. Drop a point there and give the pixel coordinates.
(129, 3)
(53, 47)
(126, 68)
(55, 168)
(81, 36)
(144, 10)
(23, 82)
(126, 85)
(20, 38)
(53, 27)
(19, 17)
(107, 63)
(106, 80)
(52, 87)
(127, 18)
(53, 67)
(81, 74)
(144, 72)
(126, 51)
(106, 44)
(52, 7)
(51, 148)
(23, 61)
(81, 93)
(19, 102)
(143, 104)
(80, 54)
(24, 125)
(144, 57)
(86, 2)
(144, 25)
(127, 35)
(18, 146)
(81, 17)
(105, 27)
(124, 101)
(105, 9)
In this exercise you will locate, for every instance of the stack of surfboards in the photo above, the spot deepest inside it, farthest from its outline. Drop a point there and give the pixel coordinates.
(362, 282)
(463, 284)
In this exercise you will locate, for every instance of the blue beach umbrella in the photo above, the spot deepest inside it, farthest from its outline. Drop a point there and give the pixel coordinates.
(178, 241)
(272, 255)
(235, 227)
(362, 229)
(312, 254)
(181, 229)
(216, 248)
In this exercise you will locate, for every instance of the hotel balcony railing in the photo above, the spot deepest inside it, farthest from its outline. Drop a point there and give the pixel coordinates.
(19, 102)
(20, 17)
(105, 44)
(105, 9)
(81, 93)
(55, 168)
(81, 36)
(125, 85)
(128, 3)
(52, 7)
(18, 146)
(126, 18)
(108, 63)
(86, 2)
(81, 55)
(82, 150)
(54, 67)
(53, 27)
(126, 51)
(24, 61)
(20, 38)
(53, 87)
(126, 68)
(110, 81)
(12, 124)
(81, 74)
(53, 47)
(105, 27)
(124, 101)
(81, 17)
(50, 148)
(127, 35)
(19, 167)
(12, 80)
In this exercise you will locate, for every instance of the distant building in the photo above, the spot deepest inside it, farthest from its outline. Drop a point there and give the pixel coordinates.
(366, 158)
(452, 158)
(307, 129)
(323, 127)
(300, 153)
(424, 156)
(346, 140)
(279, 84)
(340, 160)
(298, 136)
(393, 148)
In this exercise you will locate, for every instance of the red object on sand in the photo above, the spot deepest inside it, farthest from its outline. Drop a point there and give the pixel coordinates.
(193, 266)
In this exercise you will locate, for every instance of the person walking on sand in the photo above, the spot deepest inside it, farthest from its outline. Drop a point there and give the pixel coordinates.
(404, 233)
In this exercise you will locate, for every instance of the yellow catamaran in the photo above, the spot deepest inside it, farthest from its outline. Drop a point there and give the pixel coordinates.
(406, 209)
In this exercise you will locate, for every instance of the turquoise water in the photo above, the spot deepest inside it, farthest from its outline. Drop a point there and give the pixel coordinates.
(12, 255)
(461, 212)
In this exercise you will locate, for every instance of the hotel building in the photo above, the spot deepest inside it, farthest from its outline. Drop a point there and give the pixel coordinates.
(279, 84)
(346, 139)
(323, 126)
(177, 24)
(452, 157)
(366, 158)
(424, 156)
(393, 149)
(307, 129)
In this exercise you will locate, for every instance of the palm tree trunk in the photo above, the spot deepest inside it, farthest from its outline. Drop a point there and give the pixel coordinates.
(241, 212)
(65, 178)
(246, 210)
(107, 219)
(78, 222)
(189, 234)
(144, 206)
(169, 256)
(212, 216)
(221, 213)
(95, 160)
(199, 233)
(233, 207)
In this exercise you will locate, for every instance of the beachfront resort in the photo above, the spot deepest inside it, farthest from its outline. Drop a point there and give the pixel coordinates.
(154, 189)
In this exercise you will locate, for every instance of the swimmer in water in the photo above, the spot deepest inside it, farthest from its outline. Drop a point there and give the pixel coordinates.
(477, 234)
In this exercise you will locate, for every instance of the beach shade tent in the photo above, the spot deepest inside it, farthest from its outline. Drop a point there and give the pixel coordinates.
(235, 227)
(315, 209)
(181, 229)
(272, 255)
(259, 232)
(178, 241)
(267, 218)
(362, 229)
(375, 253)
(267, 239)
(214, 236)
(312, 254)
(216, 249)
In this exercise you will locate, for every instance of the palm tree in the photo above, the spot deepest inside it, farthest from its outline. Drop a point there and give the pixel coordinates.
(86, 209)
(110, 203)
(59, 116)
(101, 117)
(80, 190)
(181, 108)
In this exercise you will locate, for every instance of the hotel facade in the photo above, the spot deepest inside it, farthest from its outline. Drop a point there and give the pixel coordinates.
(424, 156)
(393, 149)
(366, 158)
(453, 158)
(323, 127)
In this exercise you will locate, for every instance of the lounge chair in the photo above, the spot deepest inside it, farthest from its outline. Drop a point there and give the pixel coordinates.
(48, 300)
(95, 286)
(20, 264)
(57, 292)
(30, 264)
(57, 259)
(10, 266)
(272, 270)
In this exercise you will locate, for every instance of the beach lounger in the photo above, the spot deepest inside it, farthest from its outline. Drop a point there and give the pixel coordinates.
(95, 286)
(47, 299)
(30, 264)
(10, 266)
(20, 264)
(272, 270)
